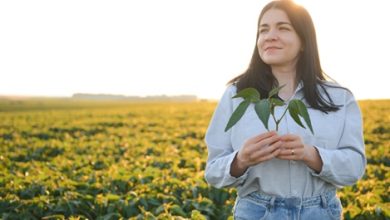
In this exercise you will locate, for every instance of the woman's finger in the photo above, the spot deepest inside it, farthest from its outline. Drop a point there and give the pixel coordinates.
(266, 151)
(261, 137)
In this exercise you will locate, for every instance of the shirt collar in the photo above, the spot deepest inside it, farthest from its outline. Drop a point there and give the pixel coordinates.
(299, 87)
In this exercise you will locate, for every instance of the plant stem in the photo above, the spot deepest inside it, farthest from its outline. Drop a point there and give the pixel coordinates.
(273, 116)
(280, 119)
(285, 111)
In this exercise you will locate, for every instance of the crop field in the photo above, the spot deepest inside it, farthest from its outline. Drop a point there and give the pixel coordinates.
(68, 159)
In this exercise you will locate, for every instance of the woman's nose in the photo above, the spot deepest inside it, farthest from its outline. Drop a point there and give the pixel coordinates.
(271, 35)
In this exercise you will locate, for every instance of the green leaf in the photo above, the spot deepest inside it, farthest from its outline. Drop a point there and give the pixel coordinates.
(177, 210)
(54, 217)
(276, 102)
(195, 214)
(250, 94)
(302, 111)
(293, 109)
(237, 114)
(113, 197)
(275, 91)
(109, 216)
(297, 108)
(262, 109)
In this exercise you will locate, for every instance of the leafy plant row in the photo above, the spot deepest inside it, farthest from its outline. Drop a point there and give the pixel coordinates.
(142, 161)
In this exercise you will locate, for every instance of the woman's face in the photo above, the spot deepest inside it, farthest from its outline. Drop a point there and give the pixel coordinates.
(278, 43)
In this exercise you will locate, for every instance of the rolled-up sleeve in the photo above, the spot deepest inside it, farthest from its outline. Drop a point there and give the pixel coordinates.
(220, 150)
(345, 164)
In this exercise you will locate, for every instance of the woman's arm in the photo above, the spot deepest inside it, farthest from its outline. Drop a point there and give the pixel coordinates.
(341, 165)
(220, 151)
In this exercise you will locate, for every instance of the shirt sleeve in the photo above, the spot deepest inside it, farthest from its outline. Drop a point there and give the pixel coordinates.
(345, 164)
(220, 150)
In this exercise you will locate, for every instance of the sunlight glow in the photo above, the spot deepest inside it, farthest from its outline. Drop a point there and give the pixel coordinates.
(57, 48)
(301, 2)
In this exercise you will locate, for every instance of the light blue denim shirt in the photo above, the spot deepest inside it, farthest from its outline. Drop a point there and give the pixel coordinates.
(338, 136)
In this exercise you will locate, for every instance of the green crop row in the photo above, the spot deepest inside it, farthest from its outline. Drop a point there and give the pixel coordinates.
(120, 160)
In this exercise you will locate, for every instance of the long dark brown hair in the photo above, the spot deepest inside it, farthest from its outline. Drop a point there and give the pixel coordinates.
(259, 74)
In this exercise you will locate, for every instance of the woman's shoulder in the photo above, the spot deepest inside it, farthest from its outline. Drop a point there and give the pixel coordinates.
(328, 83)
(336, 91)
(231, 90)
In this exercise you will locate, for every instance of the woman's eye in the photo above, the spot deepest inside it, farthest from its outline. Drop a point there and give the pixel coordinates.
(284, 28)
(262, 30)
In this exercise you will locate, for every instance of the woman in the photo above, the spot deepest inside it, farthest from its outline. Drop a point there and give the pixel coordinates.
(290, 173)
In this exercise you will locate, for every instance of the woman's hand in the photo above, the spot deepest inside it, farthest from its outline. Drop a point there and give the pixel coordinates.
(257, 149)
(293, 148)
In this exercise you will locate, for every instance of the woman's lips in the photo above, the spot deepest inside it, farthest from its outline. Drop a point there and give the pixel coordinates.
(272, 48)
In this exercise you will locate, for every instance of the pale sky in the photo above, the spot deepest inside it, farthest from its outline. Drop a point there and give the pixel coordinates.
(173, 47)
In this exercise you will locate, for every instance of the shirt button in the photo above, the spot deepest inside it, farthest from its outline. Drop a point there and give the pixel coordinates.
(293, 162)
(295, 193)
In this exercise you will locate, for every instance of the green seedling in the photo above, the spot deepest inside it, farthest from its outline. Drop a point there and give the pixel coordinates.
(264, 108)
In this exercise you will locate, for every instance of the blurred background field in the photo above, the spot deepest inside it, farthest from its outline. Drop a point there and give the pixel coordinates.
(69, 159)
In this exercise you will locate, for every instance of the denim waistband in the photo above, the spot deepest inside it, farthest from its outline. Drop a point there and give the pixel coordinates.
(291, 202)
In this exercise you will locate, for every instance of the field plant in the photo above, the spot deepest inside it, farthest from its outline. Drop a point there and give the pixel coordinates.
(265, 108)
(64, 159)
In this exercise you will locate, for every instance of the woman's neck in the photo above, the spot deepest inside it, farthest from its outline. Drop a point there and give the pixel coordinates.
(286, 77)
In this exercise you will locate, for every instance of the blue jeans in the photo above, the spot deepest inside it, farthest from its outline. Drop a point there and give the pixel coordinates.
(256, 206)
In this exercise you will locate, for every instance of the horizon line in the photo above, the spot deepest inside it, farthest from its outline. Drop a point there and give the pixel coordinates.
(11, 96)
